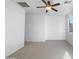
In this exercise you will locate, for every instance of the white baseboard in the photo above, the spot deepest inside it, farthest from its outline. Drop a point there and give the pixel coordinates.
(56, 39)
(42, 40)
(14, 50)
(35, 40)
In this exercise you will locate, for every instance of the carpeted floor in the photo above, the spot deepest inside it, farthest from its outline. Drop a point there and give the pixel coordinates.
(44, 50)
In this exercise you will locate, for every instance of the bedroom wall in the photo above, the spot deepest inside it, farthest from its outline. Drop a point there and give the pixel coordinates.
(44, 27)
(69, 35)
(35, 28)
(14, 27)
(55, 27)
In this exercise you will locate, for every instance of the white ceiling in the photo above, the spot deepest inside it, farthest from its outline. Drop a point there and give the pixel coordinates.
(63, 9)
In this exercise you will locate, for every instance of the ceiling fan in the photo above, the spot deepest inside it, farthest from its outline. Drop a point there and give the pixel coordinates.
(49, 6)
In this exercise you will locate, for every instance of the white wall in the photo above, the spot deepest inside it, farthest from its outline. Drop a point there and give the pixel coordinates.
(69, 35)
(34, 27)
(14, 24)
(55, 27)
(70, 38)
(44, 27)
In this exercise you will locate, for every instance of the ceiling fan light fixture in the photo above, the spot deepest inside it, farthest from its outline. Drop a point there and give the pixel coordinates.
(48, 8)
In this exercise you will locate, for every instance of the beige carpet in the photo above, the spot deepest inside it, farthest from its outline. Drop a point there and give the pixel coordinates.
(44, 50)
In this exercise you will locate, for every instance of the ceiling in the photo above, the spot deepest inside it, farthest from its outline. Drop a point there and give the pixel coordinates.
(63, 9)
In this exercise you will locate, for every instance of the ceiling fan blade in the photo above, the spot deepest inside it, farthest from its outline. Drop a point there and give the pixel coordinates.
(41, 7)
(48, 3)
(46, 11)
(54, 9)
(44, 2)
(56, 4)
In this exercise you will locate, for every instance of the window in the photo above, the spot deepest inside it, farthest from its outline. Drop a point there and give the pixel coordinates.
(70, 23)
